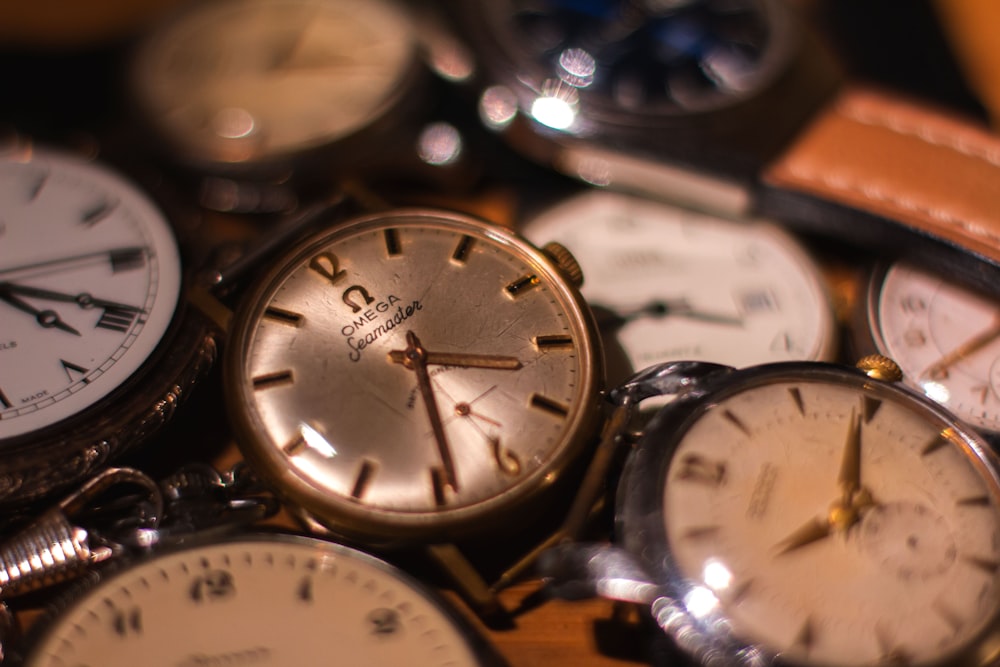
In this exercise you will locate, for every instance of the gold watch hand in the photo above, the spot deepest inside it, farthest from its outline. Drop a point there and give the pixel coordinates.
(416, 359)
(459, 359)
(850, 461)
(939, 368)
(812, 531)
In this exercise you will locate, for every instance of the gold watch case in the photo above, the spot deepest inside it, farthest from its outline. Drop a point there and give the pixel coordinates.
(414, 376)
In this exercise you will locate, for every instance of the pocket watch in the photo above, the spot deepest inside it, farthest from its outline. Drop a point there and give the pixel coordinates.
(812, 514)
(944, 337)
(97, 344)
(414, 376)
(255, 598)
(670, 283)
(262, 97)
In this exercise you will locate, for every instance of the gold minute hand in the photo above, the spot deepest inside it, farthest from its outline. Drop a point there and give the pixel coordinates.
(939, 368)
(460, 359)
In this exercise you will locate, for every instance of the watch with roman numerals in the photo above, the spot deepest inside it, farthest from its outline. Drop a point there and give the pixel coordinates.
(98, 346)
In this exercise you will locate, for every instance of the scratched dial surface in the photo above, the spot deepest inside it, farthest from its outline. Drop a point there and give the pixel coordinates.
(271, 600)
(946, 338)
(835, 522)
(89, 281)
(333, 410)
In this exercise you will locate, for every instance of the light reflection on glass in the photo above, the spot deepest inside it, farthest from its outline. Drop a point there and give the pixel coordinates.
(700, 602)
(497, 107)
(316, 442)
(936, 391)
(439, 144)
(556, 106)
(233, 123)
(577, 67)
(716, 575)
(728, 70)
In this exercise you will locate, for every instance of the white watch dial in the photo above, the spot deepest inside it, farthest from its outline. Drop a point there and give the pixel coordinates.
(89, 282)
(835, 524)
(670, 284)
(249, 602)
(945, 338)
(243, 80)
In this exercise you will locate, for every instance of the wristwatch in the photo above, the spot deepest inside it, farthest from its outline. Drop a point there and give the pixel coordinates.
(671, 283)
(255, 597)
(267, 101)
(776, 131)
(942, 335)
(415, 377)
(98, 346)
(807, 514)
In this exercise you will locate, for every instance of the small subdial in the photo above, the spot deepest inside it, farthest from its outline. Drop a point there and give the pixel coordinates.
(908, 539)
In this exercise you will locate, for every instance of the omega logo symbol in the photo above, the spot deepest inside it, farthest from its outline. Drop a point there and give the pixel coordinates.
(355, 307)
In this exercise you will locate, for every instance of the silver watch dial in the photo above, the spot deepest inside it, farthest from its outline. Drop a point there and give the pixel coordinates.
(946, 338)
(413, 371)
(90, 279)
(270, 600)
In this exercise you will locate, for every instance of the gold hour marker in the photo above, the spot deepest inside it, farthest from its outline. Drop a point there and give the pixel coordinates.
(736, 421)
(934, 445)
(283, 316)
(796, 395)
(871, 406)
(363, 479)
(463, 249)
(548, 405)
(296, 446)
(439, 480)
(392, 242)
(807, 635)
(269, 380)
(522, 285)
(556, 341)
(974, 501)
(988, 566)
(700, 532)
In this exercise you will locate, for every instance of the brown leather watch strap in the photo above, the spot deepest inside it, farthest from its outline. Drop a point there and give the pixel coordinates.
(879, 158)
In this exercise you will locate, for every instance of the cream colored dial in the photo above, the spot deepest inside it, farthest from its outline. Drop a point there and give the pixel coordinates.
(669, 283)
(248, 80)
(413, 372)
(945, 338)
(836, 523)
(268, 600)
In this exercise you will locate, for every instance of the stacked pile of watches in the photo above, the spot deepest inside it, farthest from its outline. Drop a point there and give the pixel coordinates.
(702, 229)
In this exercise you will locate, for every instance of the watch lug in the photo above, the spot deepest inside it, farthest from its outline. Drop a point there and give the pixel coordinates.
(667, 379)
(575, 571)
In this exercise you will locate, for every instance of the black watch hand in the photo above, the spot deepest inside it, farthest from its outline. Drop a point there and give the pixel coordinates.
(82, 299)
(118, 258)
(46, 318)
(609, 318)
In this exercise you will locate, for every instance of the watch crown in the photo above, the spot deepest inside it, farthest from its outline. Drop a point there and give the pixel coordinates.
(564, 259)
(880, 367)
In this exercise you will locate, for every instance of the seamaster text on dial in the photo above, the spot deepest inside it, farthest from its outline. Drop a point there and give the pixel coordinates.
(358, 339)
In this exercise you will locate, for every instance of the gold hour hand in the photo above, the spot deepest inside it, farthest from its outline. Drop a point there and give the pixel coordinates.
(939, 369)
(494, 361)
(416, 359)
(812, 531)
